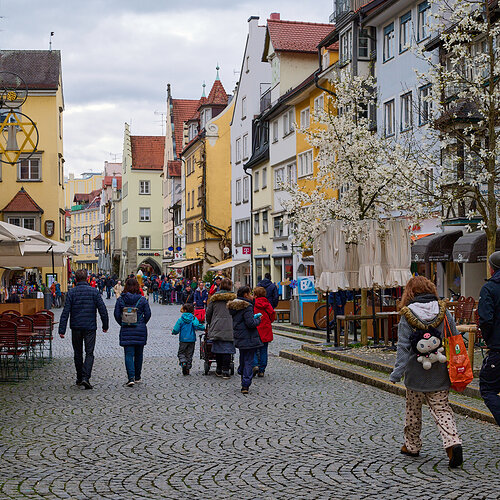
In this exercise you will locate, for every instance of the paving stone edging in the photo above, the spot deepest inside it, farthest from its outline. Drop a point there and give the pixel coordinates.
(399, 389)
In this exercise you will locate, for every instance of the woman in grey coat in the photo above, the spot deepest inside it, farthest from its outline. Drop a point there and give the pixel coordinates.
(220, 327)
(421, 311)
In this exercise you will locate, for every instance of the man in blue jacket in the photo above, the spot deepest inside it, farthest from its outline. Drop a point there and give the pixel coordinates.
(489, 323)
(82, 303)
(272, 294)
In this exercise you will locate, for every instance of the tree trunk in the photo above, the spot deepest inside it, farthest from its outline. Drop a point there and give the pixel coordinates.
(364, 312)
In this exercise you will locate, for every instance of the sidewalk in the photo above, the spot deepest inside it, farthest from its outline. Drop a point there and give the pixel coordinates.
(372, 365)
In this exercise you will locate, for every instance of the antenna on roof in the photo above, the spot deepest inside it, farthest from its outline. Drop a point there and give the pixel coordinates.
(217, 68)
(204, 85)
(115, 156)
(162, 120)
(50, 40)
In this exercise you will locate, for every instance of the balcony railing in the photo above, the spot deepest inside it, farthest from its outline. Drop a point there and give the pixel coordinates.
(265, 100)
(343, 7)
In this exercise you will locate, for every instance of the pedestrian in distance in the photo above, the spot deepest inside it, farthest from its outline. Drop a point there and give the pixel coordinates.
(118, 289)
(421, 311)
(246, 335)
(186, 327)
(154, 289)
(133, 332)
(81, 306)
(215, 285)
(272, 294)
(265, 329)
(220, 328)
(200, 298)
(489, 324)
(109, 283)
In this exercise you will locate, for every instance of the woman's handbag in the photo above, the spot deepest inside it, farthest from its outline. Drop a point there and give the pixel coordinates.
(459, 367)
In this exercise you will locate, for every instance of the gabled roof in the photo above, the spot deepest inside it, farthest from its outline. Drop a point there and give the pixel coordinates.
(296, 36)
(174, 167)
(40, 69)
(22, 202)
(147, 152)
(183, 110)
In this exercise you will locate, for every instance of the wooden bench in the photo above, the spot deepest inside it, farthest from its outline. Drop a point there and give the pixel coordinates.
(282, 315)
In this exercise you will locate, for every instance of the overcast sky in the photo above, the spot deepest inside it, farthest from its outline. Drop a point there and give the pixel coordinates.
(119, 55)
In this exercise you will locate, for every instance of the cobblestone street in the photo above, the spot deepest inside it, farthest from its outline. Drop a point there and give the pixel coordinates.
(300, 433)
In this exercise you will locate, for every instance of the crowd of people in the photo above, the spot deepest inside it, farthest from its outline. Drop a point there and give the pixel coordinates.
(242, 321)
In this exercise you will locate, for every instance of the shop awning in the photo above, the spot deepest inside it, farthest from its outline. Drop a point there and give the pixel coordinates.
(435, 248)
(183, 264)
(227, 264)
(472, 247)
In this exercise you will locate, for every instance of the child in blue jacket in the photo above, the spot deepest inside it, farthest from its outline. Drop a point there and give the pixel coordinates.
(186, 327)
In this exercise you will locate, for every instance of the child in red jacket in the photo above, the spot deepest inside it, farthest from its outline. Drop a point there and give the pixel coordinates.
(263, 306)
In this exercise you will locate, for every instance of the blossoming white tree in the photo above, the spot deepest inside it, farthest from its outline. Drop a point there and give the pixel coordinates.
(465, 100)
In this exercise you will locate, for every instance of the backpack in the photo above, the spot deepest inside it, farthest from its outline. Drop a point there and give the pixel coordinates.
(130, 315)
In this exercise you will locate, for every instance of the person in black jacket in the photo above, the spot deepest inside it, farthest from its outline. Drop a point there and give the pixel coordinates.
(80, 307)
(272, 294)
(133, 338)
(109, 283)
(246, 335)
(489, 323)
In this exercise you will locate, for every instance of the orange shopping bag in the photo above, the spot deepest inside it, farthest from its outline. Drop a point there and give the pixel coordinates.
(459, 367)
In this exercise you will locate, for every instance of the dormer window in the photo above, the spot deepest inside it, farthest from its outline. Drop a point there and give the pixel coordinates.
(193, 131)
(206, 115)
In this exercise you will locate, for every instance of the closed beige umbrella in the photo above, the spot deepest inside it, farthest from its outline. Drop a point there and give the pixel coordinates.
(397, 249)
(370, 256)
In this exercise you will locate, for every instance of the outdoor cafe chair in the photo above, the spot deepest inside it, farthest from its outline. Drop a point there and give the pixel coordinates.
(12, 350)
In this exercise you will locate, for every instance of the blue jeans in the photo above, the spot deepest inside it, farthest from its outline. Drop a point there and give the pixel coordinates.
(489, 383)
(133, 361)
(246, 366)
(260, 358)
(155, 296)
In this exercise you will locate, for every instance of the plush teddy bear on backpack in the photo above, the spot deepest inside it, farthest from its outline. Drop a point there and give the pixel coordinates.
(428, 345)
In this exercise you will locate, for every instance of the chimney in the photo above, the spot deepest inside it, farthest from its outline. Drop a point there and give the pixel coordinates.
(275, 16)
(253, 23)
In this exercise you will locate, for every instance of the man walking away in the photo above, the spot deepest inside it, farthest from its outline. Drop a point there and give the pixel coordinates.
(489, 323)
(109, 286)
(82, 303)
(271, 290)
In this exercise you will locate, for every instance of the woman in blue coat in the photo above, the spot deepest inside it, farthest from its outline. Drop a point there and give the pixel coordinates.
(133, 338)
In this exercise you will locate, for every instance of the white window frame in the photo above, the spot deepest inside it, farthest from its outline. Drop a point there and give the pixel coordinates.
(145, 242)
(124, 216)
(291, 172)
(144, 187)
(246, 188)
(256, 223)
(346, 46)
(278, 227)
(405, 32)
(243, 107)
(264, 178)
(389, 118)
(424, 106)
(245, 146)
(406, 111)
(256, 179)
(319, 103)
(305, 118)
(305, 163)
(22, 222)
(275, 131)
(279, 176)
(237, 187)
(145, 214)
(238, 150)
(38, 159)
(388, 40)
(288, 123)
(363, 34)
(423, 10)
(265, 222)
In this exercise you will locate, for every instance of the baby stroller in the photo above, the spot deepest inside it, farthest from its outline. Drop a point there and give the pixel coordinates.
(208, 356)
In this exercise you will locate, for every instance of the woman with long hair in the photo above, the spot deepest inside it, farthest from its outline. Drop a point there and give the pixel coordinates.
(133, 337)
(423, 316)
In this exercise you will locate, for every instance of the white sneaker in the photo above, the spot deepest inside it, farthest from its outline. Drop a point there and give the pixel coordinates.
(130, 383)
(138, 380)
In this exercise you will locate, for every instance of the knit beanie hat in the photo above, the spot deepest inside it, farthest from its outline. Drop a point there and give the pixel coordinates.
(494, 260)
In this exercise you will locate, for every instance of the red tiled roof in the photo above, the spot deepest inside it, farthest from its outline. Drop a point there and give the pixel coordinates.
(297, 36)
(147, 152)
(22, 202)
(217, 95)
(174, 167)
(183, 110)
(108, 181)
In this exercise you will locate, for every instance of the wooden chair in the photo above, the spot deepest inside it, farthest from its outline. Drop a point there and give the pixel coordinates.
(43, 325)
(12, 311)
(26, 334)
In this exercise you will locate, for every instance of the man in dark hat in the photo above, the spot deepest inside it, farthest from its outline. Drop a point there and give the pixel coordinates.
(489, 323)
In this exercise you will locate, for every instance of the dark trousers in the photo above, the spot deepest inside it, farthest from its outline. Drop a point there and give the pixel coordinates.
(133, 361)
(260, 360)
(246, 366)
(489, 383)
(185, 353)
(108, 292)
(223, 362)
(79, 338)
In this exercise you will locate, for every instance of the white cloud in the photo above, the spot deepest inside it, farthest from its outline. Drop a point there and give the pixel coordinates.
(119, 55)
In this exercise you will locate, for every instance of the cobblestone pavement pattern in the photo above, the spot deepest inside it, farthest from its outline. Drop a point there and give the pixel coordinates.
(300, 433)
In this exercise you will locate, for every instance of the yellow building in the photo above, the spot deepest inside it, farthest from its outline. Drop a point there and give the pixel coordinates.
(207, 186)
(88, 182)
(38, 176)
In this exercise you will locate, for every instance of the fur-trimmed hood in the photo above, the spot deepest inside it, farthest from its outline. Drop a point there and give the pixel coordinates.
(238, 304)
(416, 322)
(222, 297)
